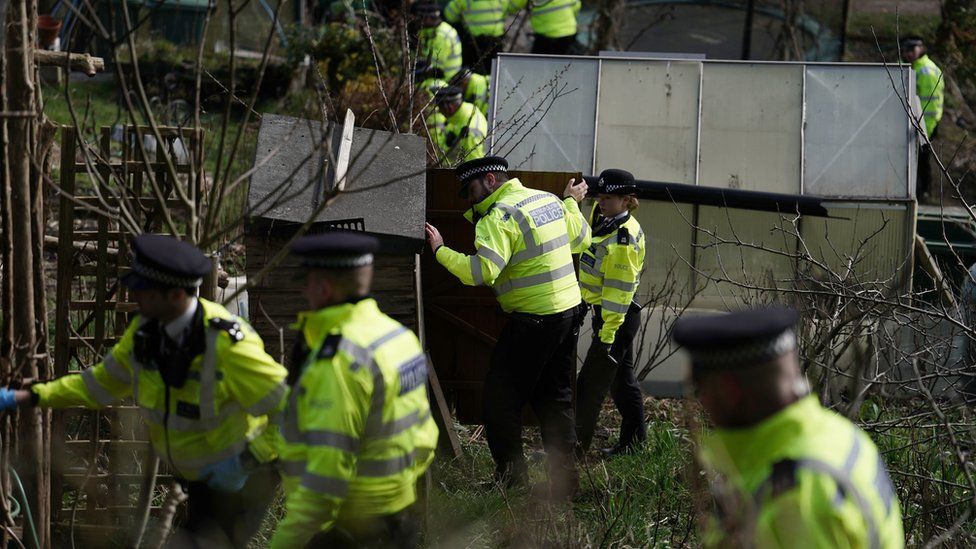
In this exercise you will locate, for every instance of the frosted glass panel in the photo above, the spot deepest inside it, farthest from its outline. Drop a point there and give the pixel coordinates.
(856, 134)
(648, 119)
(544, 112)
(750, 137)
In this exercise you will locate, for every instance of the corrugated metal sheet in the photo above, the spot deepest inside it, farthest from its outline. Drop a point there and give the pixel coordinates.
(751, 112)
(648, 118)
(753, 249)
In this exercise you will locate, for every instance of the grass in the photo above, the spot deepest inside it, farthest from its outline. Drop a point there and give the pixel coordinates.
(638, 500)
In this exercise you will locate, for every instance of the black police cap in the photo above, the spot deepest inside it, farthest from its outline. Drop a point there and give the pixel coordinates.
(910, 42)
(447, 94)
(614, 181)
(335, 250)
(425, 8)
(741, 338)
(466, 171)
(163, 261)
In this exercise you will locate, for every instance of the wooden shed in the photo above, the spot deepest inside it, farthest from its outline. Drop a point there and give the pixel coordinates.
(383, 196)
(463, 322)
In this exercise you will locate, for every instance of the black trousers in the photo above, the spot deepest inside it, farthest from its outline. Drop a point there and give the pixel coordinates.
(396, 531)
(483, 49)
(923, 178)
(599, 374)
(216, 519)
(532, 364)
(553, 46)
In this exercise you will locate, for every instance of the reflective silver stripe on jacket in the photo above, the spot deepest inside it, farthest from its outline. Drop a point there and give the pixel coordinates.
(477, 275)
(582, 236)
(332, 439)
(523, 223)
(116, 370)
(534, 280)
(269, 402)
(843, 478)
(385, 467)
(95, 389)
(614, 307)
(330, 486)
(398, 426)
(591, 287)
(620, 285)
(190, 425)
(552, 9)
(487, 253)
(545, 247)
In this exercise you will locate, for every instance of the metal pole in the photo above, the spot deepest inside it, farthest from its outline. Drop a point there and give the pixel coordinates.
(747, 31)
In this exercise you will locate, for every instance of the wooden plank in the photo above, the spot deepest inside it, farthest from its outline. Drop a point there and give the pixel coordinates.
(90, 305)
(448, 441)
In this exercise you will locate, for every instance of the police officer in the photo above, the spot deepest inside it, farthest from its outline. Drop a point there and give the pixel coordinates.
(357, 428)
(204, 386)
(465, 128)
(439, 43)
(474, 88)
(481, 24)
(430, 80)
(553, 23)
(789, 470)
(930, 87)
(525, 240)
(609, 274)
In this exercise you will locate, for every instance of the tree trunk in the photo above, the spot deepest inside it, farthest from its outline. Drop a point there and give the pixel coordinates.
(955, 46)
(23, 182)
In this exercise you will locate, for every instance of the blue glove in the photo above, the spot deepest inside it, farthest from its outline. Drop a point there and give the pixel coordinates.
(228, 475)
(8, 402)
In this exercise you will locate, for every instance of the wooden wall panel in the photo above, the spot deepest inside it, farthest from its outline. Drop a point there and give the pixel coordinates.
(462, 322)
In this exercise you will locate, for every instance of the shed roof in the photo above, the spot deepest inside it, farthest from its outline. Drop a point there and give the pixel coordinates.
(385, 184)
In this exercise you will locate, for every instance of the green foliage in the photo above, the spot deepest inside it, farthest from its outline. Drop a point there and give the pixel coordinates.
(343, 52)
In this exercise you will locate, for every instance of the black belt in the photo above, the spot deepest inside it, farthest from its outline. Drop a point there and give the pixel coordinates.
(554, 317)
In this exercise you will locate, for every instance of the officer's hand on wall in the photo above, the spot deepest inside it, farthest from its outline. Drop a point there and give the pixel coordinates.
(434, 237)
(228, 475)
(576, 190)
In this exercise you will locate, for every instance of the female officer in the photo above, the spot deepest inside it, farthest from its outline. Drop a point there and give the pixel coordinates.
(609, 274)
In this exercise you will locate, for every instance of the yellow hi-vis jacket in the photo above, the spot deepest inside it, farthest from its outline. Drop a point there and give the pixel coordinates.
(357, 429)
(480, 17)
(435, 121)
(804, 477)
(464, 135)
(931, 91)
(550, 18)
(441, 47)
(477, 92)
(610, 271)
(219, 411)
(525, 240)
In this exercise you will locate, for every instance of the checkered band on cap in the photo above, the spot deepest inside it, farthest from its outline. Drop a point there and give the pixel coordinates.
(740, 355)
(169, 279)
(479, 170)
(338, 261)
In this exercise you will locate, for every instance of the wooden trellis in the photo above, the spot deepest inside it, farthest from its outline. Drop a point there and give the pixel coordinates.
(99, 458)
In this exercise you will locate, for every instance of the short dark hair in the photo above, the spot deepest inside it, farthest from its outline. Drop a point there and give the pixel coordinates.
(501, 176)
